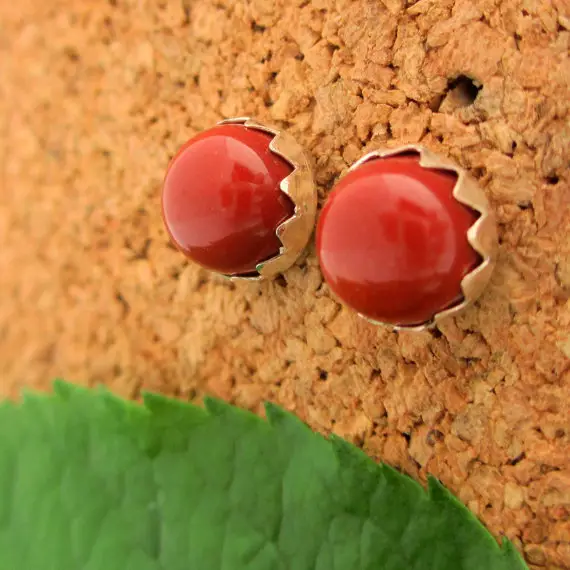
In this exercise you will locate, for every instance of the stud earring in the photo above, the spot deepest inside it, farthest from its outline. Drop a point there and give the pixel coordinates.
(239, 199)
(406, 238)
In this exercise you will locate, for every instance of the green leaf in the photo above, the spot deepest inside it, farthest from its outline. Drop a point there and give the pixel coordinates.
(92, 482)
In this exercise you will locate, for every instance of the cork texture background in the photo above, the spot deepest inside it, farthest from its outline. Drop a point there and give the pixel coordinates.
(96, 96)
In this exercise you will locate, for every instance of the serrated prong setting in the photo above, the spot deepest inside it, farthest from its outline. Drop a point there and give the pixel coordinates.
(293, 233)
(482, 235)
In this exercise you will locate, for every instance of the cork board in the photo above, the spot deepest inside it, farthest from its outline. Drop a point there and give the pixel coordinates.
(97, 95)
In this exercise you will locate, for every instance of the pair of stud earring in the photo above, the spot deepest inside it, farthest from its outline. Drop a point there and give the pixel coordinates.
(405, 239)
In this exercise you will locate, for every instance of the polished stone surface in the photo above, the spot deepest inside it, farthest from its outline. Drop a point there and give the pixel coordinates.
(392, 241)
(221, 199)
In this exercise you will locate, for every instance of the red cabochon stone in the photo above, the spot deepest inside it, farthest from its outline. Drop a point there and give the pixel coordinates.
(392, 241)
(221, 201)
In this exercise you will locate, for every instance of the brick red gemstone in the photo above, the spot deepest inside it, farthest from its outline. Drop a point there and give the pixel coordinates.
(392, 241)
(221, 200)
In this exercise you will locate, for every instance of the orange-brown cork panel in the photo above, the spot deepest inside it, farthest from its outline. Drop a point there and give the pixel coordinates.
(97, 96)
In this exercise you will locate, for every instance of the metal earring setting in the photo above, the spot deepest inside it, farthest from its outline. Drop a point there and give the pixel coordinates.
(406, 238)
(239, 199)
